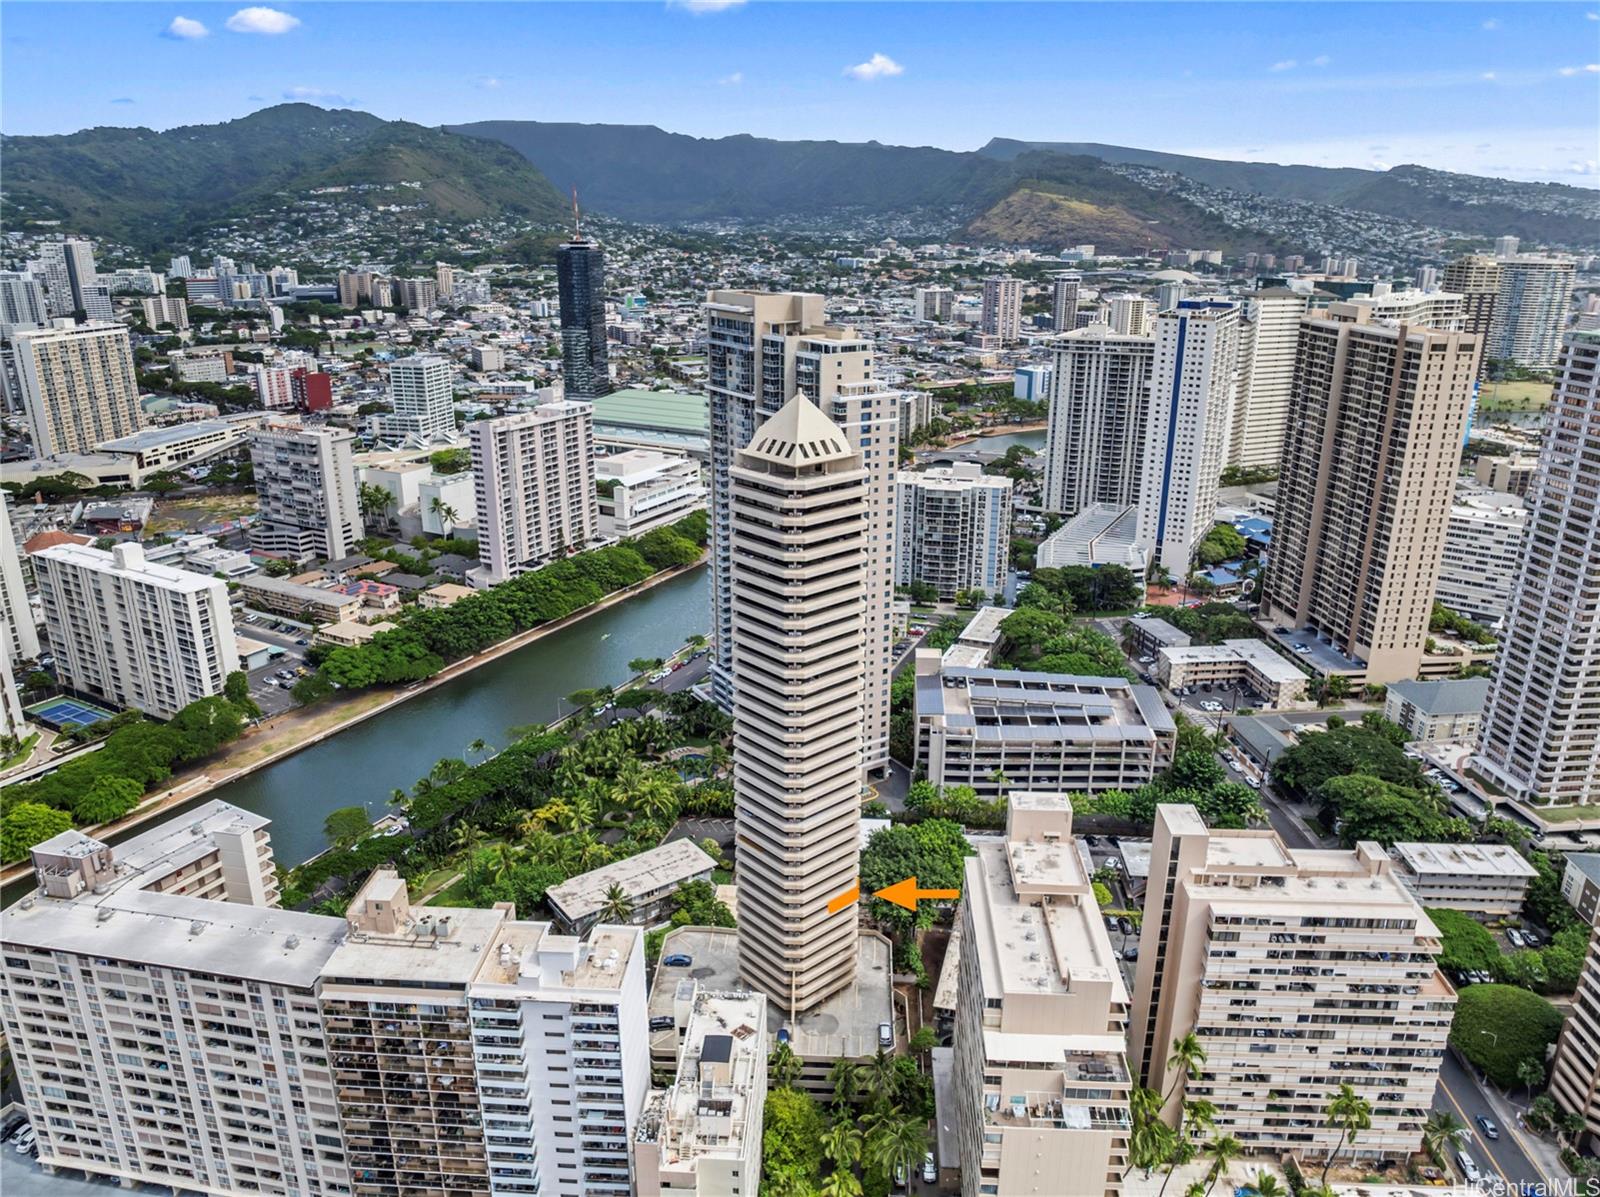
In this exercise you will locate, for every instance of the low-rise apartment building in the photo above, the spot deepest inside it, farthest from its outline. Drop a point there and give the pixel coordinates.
(1039, 730)
(1437, 712)
(702, 1136)
(1299, 971)
(1040, 1080)
(1248, 663)
(299, 601)
(647, 880)
(1485, 879)
(640, 491)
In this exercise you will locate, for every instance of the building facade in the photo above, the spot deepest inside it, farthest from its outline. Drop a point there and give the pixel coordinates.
(1269, 337)
(640, 490)
(138, 635)
(310, 505)
(1040, 1081)
(1298, 972)
(1374, 440)
(799, 538)
(954, 530)
(1541, 726)
(1530, 310)
(1002, 308)
(79, 386)
(581, 285)
(1482, 547)
(22, 632)
(422, 390)
(534, 477)
(1099, 411)
(1064, 302)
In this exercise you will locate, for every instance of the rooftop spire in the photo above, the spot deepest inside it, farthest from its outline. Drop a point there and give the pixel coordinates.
(577, 220)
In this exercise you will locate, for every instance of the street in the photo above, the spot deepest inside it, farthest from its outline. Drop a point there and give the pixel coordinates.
(1508, 1156)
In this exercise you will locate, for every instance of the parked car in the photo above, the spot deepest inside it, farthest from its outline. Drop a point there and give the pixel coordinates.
(930, 1170)
(1124, 924)
(885, 1035)
(1533, 938)
(662, 1022)
(1515, 937)
(1131, 953)
(677, 960)
(1469, 1170)
(24, 1142)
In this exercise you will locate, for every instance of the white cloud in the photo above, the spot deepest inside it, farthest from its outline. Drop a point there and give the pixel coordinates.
(1591, 68)
(1284, 64)
(879, 66)
(491, 82)
(732, 80)
(1492, 24)
(1321, 60)
(1592, 16)
(1489, 75)
(315, 94)
(701, 7)
(183, 29)
(262, 20)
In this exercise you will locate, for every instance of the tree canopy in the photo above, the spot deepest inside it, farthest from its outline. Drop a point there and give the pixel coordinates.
(1498, 1027)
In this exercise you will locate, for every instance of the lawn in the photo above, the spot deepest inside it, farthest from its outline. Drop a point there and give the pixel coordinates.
(200, 511)
(1514, 396)
(1567, 814)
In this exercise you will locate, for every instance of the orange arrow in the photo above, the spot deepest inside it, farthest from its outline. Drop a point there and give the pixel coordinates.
(905, 893)
(848, 898)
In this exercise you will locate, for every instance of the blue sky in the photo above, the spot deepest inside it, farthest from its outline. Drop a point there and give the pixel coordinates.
(1509, 89)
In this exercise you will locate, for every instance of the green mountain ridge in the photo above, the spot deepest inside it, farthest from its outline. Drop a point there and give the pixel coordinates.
(152, 189)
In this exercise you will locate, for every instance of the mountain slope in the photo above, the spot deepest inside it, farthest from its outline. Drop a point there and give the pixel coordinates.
(145, 187)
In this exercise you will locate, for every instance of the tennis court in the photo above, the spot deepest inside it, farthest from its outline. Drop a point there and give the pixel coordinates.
(64, 714)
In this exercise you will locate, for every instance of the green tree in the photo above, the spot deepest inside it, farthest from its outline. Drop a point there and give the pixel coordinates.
(842, 1142)
(783, 1066)
(618, 907)
(346, 825)
(900, 1142)
(1497, 1027)
(1442, 1133)
(26, 824)
(110, 797)
(925, 1040)
(791, 1144)
(1530, 1074)
(1351, 1113)
(1187, 1058)
(1223, 1151)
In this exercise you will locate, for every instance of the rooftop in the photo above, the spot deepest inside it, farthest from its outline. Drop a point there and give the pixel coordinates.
(675, 411)
(668, 865)
(1256, 652)
(1024, 706)
(1484, 860)
(1453, 696)
(1100, 534)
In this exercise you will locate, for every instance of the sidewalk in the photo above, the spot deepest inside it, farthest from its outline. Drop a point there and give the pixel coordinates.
(1539, 1150)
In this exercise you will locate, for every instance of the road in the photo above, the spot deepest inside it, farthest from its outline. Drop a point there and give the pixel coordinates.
(1460, 1093)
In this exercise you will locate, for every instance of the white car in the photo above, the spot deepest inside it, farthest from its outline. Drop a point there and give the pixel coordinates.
(25, 1141)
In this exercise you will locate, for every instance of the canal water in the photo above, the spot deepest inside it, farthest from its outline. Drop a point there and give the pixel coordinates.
(999, 444)
(362, 765)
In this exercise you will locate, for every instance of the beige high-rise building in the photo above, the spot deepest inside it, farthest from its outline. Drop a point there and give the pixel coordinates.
(800, 518)
(1476, 278)
(1530, 309)
(1299, 971)
(1575, 1080)
(533, 474)
(1376, 421)
(21, 632)
(1269, 337)
(306, 483)
(1002, 308)
(132, 632)
(1064, 302)
(1540, 738)
(79, 386)
(1099, 406)
(761, 348)
(1041, 1080)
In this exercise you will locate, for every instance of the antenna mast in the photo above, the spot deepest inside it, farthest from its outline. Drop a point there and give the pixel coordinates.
(577, 221)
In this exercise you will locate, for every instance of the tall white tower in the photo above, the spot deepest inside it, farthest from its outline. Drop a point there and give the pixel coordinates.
(799, 550)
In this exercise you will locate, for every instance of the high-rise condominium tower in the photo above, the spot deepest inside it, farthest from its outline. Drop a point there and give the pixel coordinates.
(533, 473)
(424, 397)
(1002, 307)
(1298, 972)
(78, 386)
(954, 529)
(1376, 421)
(70, 274)
(1192, 389)
(800, 498)
(132, 632)
(21, 633)
(1476, 278)
(1530, 310)
(1064, 302)
(1099, 406)
(306, 480)
(1266, 375)
(1540, 736)
(761, 348)
(1131, 315)
(22, 303)
(581, 285)
(934, 303)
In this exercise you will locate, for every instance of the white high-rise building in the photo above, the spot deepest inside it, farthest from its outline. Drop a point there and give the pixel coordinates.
(1064, 302)
(1269, 335)
(934, 304)
(1506, 247)
(22, 634)
(70, 275)
(955, 529)
(135, 634)
(424, 400)
(274, 386)
(159, 310)
(179, 266)
(78, 385)
(800, 514)
(533, 472)
(1540, 736)
(22, 303)
(1131, 315)
(1099, 407)
(1192, 389)
(1442, 310)
(761, 348)
(1040, 1083)
(1002, 308)
(1482, 549)
(1530, 310)
(306, 486)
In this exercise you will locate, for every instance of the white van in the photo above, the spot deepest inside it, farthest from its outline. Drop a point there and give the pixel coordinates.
(1468, 1169)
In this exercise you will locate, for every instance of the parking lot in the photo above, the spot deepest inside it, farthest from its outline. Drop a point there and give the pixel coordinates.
(270, 684)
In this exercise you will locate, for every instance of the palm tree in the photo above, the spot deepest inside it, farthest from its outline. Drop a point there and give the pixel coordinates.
(1441, 1133)
(1350, 1112)
(1224, 1150)
(842, 1143)
(445, 513)
(1266, 1185)
(845, 1080)
(374, 501)
(657, 798)
(466, 835)
(878, 1079)
(477, 746)
(901, 1142)
(1530, 1073)
(783, 1066)
(1199, 1116)
(841, 1182)
(1188, 1054)
(618, 907)
(1150, 1140)
(581, 813)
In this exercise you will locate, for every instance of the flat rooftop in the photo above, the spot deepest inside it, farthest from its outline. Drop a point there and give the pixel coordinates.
(1480, 860)
(1160, 630)
(433, 959)
(668, 865)
(1257, 653)
(1100, 534)
(1024, 706)
(845, 1025)
(984, 628)
(176, 434)
(1321, 656)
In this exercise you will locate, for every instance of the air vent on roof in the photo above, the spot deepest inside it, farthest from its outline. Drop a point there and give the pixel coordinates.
(104, 913)
(196, 927)
(197, 828)
(292, 942)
